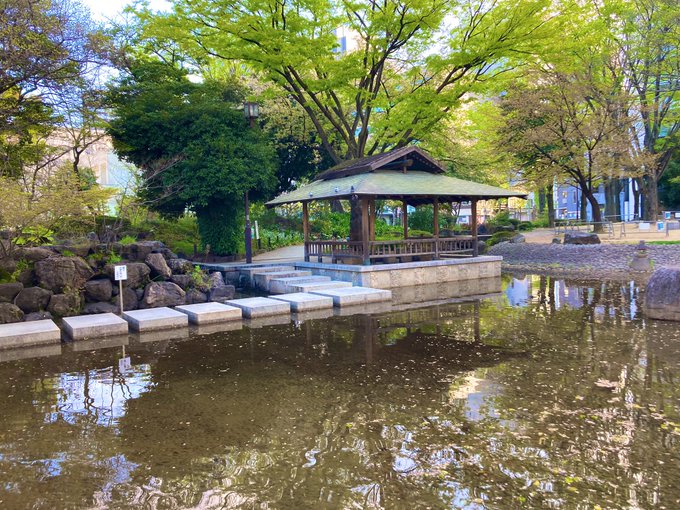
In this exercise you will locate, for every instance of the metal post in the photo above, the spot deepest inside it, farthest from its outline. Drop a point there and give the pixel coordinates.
(248, 233)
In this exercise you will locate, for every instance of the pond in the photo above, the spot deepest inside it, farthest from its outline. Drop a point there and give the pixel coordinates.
(553, 394)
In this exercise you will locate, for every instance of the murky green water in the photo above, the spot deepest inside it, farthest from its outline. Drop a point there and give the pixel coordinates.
(553, 395)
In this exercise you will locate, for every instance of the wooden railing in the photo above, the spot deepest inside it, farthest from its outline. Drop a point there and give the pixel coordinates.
(401, 248)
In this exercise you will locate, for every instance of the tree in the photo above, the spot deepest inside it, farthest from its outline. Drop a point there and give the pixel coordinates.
(647, 33)
(193, 147)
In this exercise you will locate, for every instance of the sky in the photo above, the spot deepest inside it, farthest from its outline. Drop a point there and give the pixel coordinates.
(110, 9)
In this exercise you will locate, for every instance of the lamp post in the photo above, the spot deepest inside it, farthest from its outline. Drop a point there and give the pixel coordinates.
(251, 111)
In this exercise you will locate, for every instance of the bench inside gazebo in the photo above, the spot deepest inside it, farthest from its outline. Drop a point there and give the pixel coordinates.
(409, 175)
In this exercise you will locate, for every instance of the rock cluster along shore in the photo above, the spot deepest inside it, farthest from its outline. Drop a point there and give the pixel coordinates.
(54, 282)
(600, 260)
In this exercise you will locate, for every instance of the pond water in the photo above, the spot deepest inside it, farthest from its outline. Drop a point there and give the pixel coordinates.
(553, 394)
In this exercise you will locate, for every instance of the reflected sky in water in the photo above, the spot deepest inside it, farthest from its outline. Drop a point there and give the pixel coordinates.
(551, 394)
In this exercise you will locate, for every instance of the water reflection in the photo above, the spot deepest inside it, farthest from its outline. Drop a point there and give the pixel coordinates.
(553, 394)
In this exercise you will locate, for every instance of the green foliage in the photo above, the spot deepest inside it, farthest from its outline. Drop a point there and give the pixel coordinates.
(669, 191)
(21, 266)
(199, 278)
(500, 237)
(35, 236)
(128, 240)
(279, 238)
(114, 258)
(180, 234)
(194, 149)
(68, 253)
(330, 224)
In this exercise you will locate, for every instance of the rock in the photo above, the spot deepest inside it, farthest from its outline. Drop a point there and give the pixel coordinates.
(78, 249)
(519, 238)
(92, 237)
(57, 273)
(215, 280)
(138, 251)
(158, 266)
(33, 299)
(37, 316)
(662, 296)
(140, 294)
(137, 272)
(180, 266)
(98, 290)
(183, 280)
(195, 296)
(130, 300)
(63, 305)
(556, 240)
(8, 291)
(36, 254)
(505, 228)
(641, 260)
(163, 294)
(7, 265)
(27, 278)
(102, 307)
(221, 294)
(581, 238)
(169, 254)
(10, 313)
(481, 247)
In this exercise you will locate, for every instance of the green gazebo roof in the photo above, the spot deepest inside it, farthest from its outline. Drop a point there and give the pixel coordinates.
(420, 180)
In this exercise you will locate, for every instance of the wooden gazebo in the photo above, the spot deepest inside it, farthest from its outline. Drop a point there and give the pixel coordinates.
(409, 175)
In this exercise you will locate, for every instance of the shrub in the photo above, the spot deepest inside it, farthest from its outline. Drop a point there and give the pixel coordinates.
(128, 240)
(500, 237)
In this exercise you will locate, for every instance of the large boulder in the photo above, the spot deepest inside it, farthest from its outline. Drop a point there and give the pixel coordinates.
(180, 266)
(137, 273)
(33, 299)
(581, 238)
(37, 316)
(517, 239)
(91, 308)
(158, 265)
(138, 251)
(163, 294)
(64, 305)
(58, 273)
(98, 290)
(35, 254)
(10, 313)
(662, 296)
(222, 294)
(195, 296)
(183, 280)
(8, 291)
(130, 300)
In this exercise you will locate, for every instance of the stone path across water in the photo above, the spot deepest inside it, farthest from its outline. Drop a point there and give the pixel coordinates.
(587, 261)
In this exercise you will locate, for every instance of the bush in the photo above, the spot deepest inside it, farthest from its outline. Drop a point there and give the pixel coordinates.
(499, 237)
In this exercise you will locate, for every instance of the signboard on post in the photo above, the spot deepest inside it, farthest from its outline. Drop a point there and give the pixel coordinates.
(120, 274)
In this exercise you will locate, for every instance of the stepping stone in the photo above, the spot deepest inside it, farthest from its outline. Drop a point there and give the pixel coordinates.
(23, 334)
(160, 335)
(322, 313)
(283, 285)
(36, 351)
(216, 327)
(251, 271)
(310, 286)
(365, 309)
(271, 320)
(98, 343)
(303, 302)
(151, 319)
(262, 279)
(208, 313)
(82, 327)
(260, 306)
(350, 296)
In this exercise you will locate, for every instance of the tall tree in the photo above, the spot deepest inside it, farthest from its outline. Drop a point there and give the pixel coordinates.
(193, 147)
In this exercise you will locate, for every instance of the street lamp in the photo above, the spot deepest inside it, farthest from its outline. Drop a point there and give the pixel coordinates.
(251, 111)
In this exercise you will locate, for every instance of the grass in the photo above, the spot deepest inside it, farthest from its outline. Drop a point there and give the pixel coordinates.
(663, 243)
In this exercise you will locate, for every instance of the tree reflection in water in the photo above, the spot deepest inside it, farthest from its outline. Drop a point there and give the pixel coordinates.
(553, 394)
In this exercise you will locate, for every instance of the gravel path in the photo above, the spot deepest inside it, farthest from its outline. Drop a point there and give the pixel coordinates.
(584, 261)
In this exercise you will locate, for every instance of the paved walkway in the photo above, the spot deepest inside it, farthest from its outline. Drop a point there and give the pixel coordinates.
(286, 254)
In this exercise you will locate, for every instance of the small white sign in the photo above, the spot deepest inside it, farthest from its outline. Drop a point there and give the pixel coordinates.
(645, 226)
(120, 272)
(124, 364)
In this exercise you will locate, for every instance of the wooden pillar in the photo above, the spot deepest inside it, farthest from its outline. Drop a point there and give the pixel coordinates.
(365, 231)
(405, 218)
(473, 226)
(371, 217)
(435, 226)
(305, 229)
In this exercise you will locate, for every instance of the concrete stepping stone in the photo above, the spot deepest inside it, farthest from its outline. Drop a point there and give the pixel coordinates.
(304, 302)
(152, 319)
(209, 313)
(260, 306)
(250, 272)
(98, 343)
(262, 279)
(23, 334)
(216, 327)
(322, 313)
(160, 335)
(83, 327)
(310, 286)
(283, 285)
(271, 320)
(364, 309)
(36, 351)
(352, 296)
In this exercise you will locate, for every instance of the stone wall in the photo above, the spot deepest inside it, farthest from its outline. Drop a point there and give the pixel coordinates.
(66, 280)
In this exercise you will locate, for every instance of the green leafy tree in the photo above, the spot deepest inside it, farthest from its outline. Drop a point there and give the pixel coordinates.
(194, 148)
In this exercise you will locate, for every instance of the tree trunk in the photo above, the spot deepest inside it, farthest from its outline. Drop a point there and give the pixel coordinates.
(612, 207)
(541, 199)
(551, 206)
(583, 204)
(354, 219)
(650, 205)
(597, 214)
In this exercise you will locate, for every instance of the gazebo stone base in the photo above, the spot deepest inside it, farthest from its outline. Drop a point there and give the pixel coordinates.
(409, 274)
